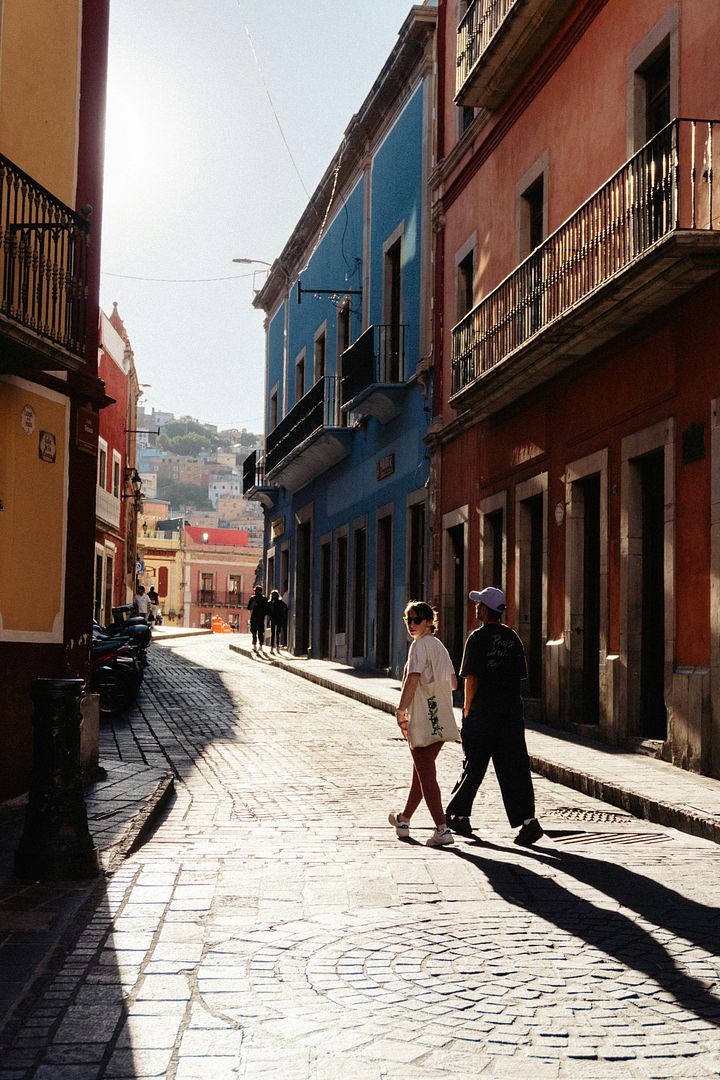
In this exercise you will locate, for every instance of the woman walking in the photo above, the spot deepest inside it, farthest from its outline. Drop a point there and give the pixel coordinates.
(426, 719)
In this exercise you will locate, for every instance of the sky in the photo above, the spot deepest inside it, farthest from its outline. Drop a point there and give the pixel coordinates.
(197, 173)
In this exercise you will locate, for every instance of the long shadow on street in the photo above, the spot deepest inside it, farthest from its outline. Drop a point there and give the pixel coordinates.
(612, 932)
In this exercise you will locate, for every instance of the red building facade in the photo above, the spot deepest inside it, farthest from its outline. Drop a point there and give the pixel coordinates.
(116, 503)
(219, 570)
(54, 64)
(575, 446)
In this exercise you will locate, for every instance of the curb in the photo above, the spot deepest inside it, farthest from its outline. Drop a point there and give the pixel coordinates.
(659, 812)
(171, 635)
(140, 826)
(347, 691)
(640, 806)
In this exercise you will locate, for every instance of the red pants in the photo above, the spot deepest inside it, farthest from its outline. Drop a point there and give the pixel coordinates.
(424, 783)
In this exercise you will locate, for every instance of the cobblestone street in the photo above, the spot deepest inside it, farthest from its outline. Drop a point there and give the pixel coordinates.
(273, 926)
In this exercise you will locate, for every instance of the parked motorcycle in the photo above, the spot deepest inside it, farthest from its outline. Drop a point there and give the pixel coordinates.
(117, 673)
(137, 634)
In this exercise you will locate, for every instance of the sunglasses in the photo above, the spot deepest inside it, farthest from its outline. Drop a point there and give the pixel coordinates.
(417, 619)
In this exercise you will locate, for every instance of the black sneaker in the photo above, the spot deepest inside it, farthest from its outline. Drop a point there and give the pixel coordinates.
(529, 833)
(459, 825)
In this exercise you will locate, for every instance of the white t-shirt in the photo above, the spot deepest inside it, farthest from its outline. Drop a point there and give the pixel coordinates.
(426, 652)
(142, 603)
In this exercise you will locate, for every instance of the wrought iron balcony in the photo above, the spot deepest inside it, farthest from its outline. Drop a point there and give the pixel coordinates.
(310, 439)
(44, 249)
(648, 235)
(217, 599)
(373, 367)
(497, 40)
(255, 485)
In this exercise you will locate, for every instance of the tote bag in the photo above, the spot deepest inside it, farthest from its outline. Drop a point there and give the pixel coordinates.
(431, 717)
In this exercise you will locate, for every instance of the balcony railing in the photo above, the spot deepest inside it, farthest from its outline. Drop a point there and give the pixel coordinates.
(216, 598)
(377, 357)
(497, 41)
(670, 185)
(253, 471)
(477, 28)
(44, 263)
(318, 409)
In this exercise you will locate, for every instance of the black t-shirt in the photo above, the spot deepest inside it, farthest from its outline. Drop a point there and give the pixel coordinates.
(495, 654)
(259, 607)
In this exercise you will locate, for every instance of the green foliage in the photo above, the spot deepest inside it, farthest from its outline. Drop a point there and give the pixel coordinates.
(178, 494)
(189, 438)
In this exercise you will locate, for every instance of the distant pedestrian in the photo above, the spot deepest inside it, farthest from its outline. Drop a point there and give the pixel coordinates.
(425, 718)
(258, 606)
(278, 619)
(142, 603)
(154, 600)
(493, 666)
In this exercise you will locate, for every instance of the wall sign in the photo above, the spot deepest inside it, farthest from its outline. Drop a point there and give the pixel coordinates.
(47, 446)
(88, 429)
(27, 419)
(385, 466)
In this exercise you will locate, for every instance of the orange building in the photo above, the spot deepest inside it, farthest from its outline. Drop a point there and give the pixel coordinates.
(576, 440)
(53, 64)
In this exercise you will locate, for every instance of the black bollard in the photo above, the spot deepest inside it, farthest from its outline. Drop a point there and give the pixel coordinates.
(56, 844)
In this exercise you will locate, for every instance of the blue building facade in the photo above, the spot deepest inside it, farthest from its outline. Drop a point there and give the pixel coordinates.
(344, 474)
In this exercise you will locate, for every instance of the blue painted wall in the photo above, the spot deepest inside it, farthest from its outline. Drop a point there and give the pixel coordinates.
(336, 264)
(351, 490)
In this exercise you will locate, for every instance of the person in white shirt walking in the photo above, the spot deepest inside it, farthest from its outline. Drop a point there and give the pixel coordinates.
(425, 718)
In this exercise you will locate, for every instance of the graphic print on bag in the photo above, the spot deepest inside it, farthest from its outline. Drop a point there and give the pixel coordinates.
(433, 717)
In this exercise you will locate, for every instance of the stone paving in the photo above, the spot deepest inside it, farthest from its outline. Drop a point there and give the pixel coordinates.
(274, 927)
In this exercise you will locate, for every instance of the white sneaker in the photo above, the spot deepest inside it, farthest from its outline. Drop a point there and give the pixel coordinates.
(440, 838)
(402, 828)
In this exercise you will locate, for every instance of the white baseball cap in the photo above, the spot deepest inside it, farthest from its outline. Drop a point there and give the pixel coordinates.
(493, 599)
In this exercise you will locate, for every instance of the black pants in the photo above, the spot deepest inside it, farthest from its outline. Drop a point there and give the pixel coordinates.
(275, 634)
(500, 739)
(257, 629)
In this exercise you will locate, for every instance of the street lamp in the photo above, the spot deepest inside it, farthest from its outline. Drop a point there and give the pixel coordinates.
(256, 262)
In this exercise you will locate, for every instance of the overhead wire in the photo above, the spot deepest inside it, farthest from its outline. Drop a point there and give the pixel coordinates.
(132, 277)
(272, 106)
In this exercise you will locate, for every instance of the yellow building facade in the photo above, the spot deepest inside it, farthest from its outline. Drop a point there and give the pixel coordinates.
(53, 70)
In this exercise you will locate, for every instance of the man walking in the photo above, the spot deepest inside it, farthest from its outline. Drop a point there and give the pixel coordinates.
(259, 607)
(493, 666)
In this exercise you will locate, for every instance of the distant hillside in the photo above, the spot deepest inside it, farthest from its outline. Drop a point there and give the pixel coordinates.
(189, 438)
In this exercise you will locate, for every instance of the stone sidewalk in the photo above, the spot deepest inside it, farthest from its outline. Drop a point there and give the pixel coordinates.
(35, 916)
(653, 790)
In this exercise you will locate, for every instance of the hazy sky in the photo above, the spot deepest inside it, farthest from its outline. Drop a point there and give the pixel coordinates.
(196, 173)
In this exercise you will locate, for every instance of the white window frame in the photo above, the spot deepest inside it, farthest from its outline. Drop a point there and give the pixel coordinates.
(116, 464)
(102, 457)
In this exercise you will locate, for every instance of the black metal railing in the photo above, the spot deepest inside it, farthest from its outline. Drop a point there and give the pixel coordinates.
(378, 356)
(476, 29)
(670, 184)
(253, 471)
(215, 598)
(44, 266)
(318, 409)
